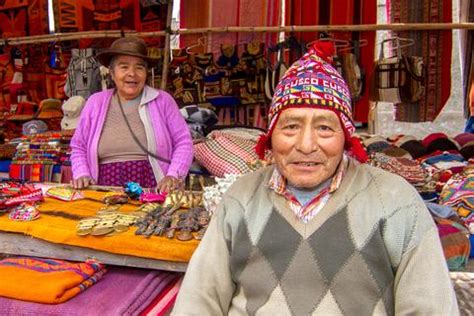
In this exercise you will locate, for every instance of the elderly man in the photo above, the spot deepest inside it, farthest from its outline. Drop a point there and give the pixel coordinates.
(318, 232)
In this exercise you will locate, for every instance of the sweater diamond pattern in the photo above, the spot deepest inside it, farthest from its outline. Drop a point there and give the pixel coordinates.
(258, 281)
(376, 258)
(241, 252)
(353, 273)
(335, 233)
(296, 264)
(279, 249)
(299, 280)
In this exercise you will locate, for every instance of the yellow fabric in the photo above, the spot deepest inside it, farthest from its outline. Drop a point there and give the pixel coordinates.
(58, 229)
(41, 282)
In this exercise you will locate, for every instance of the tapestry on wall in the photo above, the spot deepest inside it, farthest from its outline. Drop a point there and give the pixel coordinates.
(216, 13)
(23, 18)
(88, 15)
(466, 41)
(435, 48)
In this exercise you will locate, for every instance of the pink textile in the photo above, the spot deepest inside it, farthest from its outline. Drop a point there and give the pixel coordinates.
(122, 291)
(119, 173)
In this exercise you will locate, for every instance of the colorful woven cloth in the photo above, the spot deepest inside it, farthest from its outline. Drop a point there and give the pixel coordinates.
(58, 224)
(433, 46)
(119, 173)
(407, 168)
(466, 40)
(455, 242)
(459, 194)
(46, 280)
(122, 291)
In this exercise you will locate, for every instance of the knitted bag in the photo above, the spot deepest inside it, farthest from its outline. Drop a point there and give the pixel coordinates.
(398, 79)
(225, 153)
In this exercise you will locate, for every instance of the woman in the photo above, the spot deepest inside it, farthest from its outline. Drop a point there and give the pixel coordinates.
(132, 132)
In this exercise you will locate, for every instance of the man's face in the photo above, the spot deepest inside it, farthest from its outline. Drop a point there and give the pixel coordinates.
(129, 75)
(307, 145)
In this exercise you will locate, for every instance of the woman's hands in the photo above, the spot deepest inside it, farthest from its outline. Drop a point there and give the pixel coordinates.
(166, 184)
(169, 183)
(82, 182)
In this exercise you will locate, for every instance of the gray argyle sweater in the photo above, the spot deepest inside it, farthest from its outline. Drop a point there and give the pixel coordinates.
(372, 249)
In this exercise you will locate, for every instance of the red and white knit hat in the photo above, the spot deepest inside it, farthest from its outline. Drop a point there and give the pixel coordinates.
(311, 82)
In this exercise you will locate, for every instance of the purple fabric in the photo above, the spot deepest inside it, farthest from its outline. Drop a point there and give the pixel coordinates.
(119, 173)
(122, 291)
(173, 140)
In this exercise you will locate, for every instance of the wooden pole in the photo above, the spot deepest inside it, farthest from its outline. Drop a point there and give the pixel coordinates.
(332, 28)
(166, 55)
(244, 29)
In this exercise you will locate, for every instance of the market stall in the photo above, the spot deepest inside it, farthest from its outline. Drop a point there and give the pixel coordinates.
(223, 78)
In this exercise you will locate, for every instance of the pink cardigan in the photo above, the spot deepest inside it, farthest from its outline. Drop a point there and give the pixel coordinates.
(171, 134)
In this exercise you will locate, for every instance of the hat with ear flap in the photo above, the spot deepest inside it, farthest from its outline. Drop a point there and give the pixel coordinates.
(312, 82)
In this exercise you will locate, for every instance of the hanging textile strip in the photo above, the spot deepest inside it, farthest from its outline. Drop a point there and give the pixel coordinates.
(435, 48)
(322, 12)
(466, 40)
(215, 13)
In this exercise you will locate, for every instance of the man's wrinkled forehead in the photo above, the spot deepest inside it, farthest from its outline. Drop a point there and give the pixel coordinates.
(309, 114)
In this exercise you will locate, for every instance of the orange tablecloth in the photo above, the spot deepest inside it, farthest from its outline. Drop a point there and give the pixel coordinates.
(58, 220)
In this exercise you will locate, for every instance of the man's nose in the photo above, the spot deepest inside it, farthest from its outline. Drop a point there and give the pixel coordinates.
(307, 141)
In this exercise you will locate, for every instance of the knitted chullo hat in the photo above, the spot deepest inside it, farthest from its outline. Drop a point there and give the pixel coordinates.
(311, 82)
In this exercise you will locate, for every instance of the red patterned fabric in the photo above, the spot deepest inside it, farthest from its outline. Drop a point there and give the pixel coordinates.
(215, 13)
(323, 12)
(435, 48)
(22, 18)
(119, 173)
(85, 15)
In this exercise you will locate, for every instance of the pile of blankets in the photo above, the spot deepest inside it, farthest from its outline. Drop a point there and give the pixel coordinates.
(33, 286)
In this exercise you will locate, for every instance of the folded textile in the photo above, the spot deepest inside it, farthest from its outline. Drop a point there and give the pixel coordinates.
(163, 303)
(455, 242)
(122, 291)
(443, 211)
(46, 280)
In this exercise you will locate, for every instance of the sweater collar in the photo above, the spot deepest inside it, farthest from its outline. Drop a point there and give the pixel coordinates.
(148, 95)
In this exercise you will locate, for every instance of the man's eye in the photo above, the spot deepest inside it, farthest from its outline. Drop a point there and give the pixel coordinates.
(324, 128)
(291, 126)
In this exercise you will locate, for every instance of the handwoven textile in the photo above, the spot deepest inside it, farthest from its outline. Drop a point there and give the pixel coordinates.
(22, 18)
(58, 221)
(456, 246)
(46, 280)
(165, 301)
(85, 15)
(335, 12)
(435, 48)
(216, 13)
(466, 40)
(122, 291)
(119, 173)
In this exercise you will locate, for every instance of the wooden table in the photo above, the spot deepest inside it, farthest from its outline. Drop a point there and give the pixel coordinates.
(18, 244)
